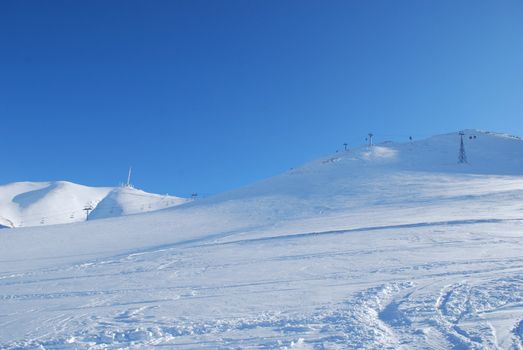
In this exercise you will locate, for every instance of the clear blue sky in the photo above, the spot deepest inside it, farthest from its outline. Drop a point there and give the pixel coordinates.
(207, 96)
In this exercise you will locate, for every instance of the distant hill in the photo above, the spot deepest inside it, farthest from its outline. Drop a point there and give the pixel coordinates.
(60, 202)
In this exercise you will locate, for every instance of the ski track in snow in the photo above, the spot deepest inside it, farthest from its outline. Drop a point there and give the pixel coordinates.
(369, 305)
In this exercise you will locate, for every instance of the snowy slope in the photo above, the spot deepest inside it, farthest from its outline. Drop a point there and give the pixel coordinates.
(127, 200)
(47, 203)
(393, 246)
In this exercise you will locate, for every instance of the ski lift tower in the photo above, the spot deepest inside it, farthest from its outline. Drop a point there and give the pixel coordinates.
(88, 207)
(462, 158)
(370, 139)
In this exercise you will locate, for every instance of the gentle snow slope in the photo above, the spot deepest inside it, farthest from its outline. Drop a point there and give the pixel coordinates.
(47, 203)
(393, 246)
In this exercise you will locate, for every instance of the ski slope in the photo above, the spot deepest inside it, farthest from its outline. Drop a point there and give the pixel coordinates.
(394, 246)
(24, 204)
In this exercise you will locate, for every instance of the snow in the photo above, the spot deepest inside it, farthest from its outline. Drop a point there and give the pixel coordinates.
(393, 246)
(24, 204)
(127, 201)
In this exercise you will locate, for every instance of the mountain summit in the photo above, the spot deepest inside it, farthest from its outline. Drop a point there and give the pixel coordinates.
(25, 204)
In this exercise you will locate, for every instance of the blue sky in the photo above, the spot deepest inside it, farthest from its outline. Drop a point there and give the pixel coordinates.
(205, 96)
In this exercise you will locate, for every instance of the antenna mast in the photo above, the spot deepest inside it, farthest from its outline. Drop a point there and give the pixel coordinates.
(462, 159)
(128, 184)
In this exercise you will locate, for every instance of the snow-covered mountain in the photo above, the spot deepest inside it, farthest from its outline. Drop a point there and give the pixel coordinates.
(47, 203)
(394, 246)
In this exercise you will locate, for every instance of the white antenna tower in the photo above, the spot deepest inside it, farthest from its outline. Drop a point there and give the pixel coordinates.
(128, 184)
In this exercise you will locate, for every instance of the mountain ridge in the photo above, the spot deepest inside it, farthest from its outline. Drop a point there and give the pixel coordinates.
(25, 204)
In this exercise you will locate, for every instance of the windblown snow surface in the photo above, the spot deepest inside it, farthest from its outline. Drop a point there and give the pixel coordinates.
(395, 246)
(24, 204)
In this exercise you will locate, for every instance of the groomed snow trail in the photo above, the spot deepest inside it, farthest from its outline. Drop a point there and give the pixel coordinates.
(322, 257)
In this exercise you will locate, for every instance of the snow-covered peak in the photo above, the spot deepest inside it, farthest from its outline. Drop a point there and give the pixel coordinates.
(486, 152)
(59, 202)
(389, 173)
(341, 180)
(129, 200)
